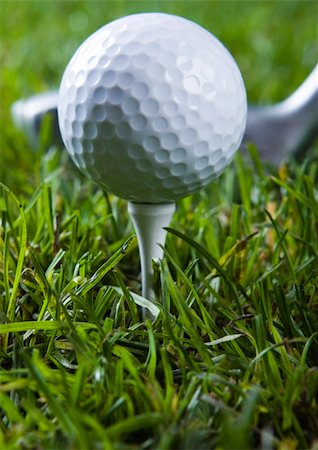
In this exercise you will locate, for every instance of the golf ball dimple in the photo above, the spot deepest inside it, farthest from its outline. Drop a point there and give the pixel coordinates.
(152, 107)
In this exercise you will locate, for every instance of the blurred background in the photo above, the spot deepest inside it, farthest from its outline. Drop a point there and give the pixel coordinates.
(275, 44)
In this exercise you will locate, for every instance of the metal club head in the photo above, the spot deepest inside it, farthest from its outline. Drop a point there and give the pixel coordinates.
(288, 127)
(28, 115)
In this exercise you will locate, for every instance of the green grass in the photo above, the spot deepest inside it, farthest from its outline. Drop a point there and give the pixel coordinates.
(230, 361)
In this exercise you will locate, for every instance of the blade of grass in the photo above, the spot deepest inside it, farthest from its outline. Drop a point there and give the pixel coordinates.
(22, 248)
(43, 325)
(106, 267)
(232, 283)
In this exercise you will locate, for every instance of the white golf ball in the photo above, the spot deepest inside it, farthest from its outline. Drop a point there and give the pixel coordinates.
(152, 107)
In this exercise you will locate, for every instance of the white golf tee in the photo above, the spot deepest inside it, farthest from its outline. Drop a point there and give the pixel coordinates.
(149, 221)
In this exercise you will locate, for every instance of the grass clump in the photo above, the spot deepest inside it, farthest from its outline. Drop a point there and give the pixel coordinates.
(228, 362)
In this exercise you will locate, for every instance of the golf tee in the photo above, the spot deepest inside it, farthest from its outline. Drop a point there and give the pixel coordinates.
(149, 221)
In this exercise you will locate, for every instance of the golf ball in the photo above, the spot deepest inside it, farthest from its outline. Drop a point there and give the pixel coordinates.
(152, 107)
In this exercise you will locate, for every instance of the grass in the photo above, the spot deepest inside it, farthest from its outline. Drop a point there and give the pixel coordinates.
(230, 361)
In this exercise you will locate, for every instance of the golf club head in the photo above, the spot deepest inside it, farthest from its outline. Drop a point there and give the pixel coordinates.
(286, 128)
(278, 131)
(29, 114)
